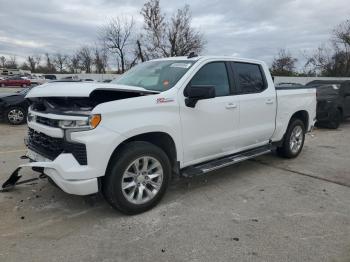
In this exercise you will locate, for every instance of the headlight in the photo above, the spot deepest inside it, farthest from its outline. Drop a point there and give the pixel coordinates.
(89, 123)
(73, 123)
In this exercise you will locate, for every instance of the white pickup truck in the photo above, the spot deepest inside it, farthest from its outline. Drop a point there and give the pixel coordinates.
(183, 115)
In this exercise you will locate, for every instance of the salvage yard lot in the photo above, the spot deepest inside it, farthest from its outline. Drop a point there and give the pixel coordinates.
(268, 209)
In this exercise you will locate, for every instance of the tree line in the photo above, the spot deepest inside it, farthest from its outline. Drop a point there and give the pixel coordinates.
(331, 59)
(120, 43)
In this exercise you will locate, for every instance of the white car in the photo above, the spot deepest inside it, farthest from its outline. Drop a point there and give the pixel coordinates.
(180, 115)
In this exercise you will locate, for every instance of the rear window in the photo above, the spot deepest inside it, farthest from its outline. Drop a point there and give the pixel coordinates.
(249, 78)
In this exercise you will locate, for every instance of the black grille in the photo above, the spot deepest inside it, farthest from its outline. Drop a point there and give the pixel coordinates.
(47, 121)
(78, 151)
(51, 147)
(47, 146)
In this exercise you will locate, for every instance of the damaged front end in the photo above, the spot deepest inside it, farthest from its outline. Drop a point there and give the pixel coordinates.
(53, 117)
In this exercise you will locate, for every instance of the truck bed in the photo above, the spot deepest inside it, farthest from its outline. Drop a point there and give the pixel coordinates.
(290, 100)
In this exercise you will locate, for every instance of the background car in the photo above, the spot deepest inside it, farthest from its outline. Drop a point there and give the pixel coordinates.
(50, 77)
(14, 107)
(333, 102)
(15, 81)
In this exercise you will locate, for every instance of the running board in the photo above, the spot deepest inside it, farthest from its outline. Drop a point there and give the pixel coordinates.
(215, 164)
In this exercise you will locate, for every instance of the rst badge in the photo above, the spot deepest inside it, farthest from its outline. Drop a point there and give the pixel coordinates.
(163, 100)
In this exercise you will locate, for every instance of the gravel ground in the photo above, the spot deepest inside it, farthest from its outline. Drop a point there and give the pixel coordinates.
(267, 209)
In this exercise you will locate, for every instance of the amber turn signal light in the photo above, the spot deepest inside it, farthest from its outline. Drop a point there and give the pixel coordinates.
(94, 121)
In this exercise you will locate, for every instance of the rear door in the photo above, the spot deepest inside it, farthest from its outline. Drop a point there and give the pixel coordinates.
(257, 105)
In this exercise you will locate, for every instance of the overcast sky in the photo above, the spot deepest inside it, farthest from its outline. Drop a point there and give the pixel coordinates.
(245, 28)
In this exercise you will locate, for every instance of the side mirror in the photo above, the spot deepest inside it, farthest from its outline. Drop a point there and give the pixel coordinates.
(195, 93)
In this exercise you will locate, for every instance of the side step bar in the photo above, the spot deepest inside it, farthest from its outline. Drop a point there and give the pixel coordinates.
(225, 161)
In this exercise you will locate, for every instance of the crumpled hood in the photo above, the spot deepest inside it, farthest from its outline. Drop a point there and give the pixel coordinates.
(80, 89)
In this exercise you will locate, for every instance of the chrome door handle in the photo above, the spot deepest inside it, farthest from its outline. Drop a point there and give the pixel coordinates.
(231, 105)
(269, 101)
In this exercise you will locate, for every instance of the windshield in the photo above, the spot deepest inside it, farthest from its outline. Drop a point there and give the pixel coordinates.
(155, 75)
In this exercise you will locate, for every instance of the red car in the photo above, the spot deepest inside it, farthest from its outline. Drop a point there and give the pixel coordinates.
(15, 81)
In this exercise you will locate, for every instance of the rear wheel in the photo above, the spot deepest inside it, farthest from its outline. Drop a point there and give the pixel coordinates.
(16, 115)
(137, 178)
(294, 140)
(3, 85)
(24, 85)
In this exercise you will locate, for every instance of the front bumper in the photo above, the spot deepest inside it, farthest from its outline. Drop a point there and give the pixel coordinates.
(64, 169)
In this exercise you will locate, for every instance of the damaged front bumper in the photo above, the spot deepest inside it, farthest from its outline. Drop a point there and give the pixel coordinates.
(63, 164)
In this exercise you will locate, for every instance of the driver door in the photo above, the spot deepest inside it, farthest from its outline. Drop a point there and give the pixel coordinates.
(210, 129)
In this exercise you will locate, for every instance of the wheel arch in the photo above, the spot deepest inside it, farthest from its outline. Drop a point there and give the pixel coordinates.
(161, 139)
(303, 115)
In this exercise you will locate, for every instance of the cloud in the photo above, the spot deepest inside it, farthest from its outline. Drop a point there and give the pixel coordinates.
(246, 28)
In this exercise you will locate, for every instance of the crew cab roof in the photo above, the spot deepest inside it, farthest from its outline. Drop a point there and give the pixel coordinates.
(203, 58)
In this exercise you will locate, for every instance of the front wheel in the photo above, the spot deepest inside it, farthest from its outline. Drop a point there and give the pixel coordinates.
(294, 140)
(137, 178)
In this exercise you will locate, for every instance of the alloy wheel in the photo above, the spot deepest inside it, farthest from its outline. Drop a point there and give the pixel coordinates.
(142, 180)
(296, 139)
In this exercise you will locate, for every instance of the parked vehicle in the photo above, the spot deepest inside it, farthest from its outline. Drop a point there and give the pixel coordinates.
(14, 107)
(37, 80)
(50, 77)
(333, 102)
(15, 81)
(180, 115)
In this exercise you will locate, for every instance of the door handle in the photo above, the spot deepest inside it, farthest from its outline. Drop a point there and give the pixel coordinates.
(231, 105)
(269, 101)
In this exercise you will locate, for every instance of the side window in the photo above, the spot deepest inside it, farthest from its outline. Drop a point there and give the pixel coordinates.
(249, 78)
(213, 74)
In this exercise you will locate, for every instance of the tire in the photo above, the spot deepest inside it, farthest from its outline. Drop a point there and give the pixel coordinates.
(16, 115)
(292, 143)
(334, 123)
(24, 85)
(3, 85)
(127, 168)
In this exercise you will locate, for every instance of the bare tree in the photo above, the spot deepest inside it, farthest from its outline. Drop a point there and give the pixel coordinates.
(86, 59)
(50, 67)
(3, 61)
(73, 63)
(333, 59)
(341, 42)
(182, 37)
(164, 38)
(60, 61)
(11, 63)
(116, 36)
(31, 63)
(100, 60)
(155, 27)
(283, 64)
